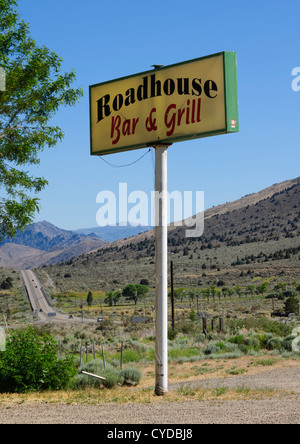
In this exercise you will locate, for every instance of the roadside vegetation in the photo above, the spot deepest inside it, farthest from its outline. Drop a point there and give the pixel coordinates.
(120, 347)
(54, 357)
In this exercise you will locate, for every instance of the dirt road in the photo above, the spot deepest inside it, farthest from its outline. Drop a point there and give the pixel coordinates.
(282, 408)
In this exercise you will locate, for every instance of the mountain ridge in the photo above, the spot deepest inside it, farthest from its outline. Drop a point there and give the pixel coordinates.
(269, 214)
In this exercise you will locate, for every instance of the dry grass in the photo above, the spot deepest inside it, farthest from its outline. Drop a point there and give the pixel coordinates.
(144, 393)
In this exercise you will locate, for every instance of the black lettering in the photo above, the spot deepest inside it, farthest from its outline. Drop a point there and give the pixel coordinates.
(183, 86)
(155, 86)
(118, 102)
(130, 99)
(142, 91)
(103, 107)
(197, 88)
(209, 86)
(169, 87)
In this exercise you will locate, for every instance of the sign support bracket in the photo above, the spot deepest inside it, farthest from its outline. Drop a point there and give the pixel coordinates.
(161, 268)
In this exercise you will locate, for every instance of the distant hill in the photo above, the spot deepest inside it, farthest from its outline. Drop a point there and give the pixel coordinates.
(259, 233)
(43, 243)
(113, 233)
(46, 236)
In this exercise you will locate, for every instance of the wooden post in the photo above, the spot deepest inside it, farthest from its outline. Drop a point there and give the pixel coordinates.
(103, 356)
(204, 326)
(221, 320)
(80, 362)
(93, 376)
(172, 297)
(213, 324)
(121, 360)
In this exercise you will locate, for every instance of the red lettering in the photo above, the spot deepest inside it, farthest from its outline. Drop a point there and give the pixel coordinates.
(115, 125)
(191, 114)
(172, 122)
(134, 124)
(199, 111)
(180, 115)
(127, 129)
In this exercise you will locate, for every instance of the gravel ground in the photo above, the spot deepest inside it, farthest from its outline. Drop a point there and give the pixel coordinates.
(280, 409)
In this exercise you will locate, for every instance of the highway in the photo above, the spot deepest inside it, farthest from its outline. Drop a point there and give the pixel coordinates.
(43, 311)
(38, 302)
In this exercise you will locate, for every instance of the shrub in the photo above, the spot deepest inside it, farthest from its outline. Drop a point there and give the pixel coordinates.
(275, 343)
(212, 350)
(291, 305)
(287, 343)
(111, 374)
(172, 334)
(131, 375)
(31, 363)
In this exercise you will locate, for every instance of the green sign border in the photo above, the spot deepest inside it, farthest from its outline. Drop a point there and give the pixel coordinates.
(231, 104)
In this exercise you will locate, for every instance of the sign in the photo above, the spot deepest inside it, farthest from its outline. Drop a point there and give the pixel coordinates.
(194, 99)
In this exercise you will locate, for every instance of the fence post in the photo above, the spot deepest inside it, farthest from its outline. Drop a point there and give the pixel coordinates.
(80, 362)
(121, 361)
(103, 356)
(221, 320)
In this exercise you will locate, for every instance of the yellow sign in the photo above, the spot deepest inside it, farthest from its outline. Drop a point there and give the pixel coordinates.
(193, 99)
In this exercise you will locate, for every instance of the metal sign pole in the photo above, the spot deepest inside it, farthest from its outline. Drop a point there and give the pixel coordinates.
(161, 248)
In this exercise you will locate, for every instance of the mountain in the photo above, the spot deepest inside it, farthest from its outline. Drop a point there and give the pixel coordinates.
(258, 234)
(43, 243)
(45, 236)
(113, 233)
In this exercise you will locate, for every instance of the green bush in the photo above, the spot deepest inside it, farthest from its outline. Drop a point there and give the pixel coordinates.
(275, 343)
(95, 366)
(172, 334)
(131, 375)
(287, 343)
(212, 349)
(113, 376)
(259, 324)
(31, 363)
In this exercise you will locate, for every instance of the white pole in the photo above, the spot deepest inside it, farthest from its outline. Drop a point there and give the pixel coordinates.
(161, 248)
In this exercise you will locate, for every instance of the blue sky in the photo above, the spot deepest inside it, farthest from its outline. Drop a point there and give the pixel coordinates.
(107, 40)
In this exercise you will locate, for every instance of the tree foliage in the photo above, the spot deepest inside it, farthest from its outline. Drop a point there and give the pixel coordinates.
(135, 291)
(31, 363)
(35, 89)
(89, 298)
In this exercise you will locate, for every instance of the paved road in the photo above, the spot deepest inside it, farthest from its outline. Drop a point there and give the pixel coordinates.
(39, 303)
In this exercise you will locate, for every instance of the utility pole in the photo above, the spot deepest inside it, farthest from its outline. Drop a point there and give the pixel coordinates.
(161, 250)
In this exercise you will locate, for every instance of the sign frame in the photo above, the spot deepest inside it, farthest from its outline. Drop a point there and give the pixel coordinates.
(231, 121)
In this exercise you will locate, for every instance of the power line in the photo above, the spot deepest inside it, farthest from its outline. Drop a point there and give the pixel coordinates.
(127, 165)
